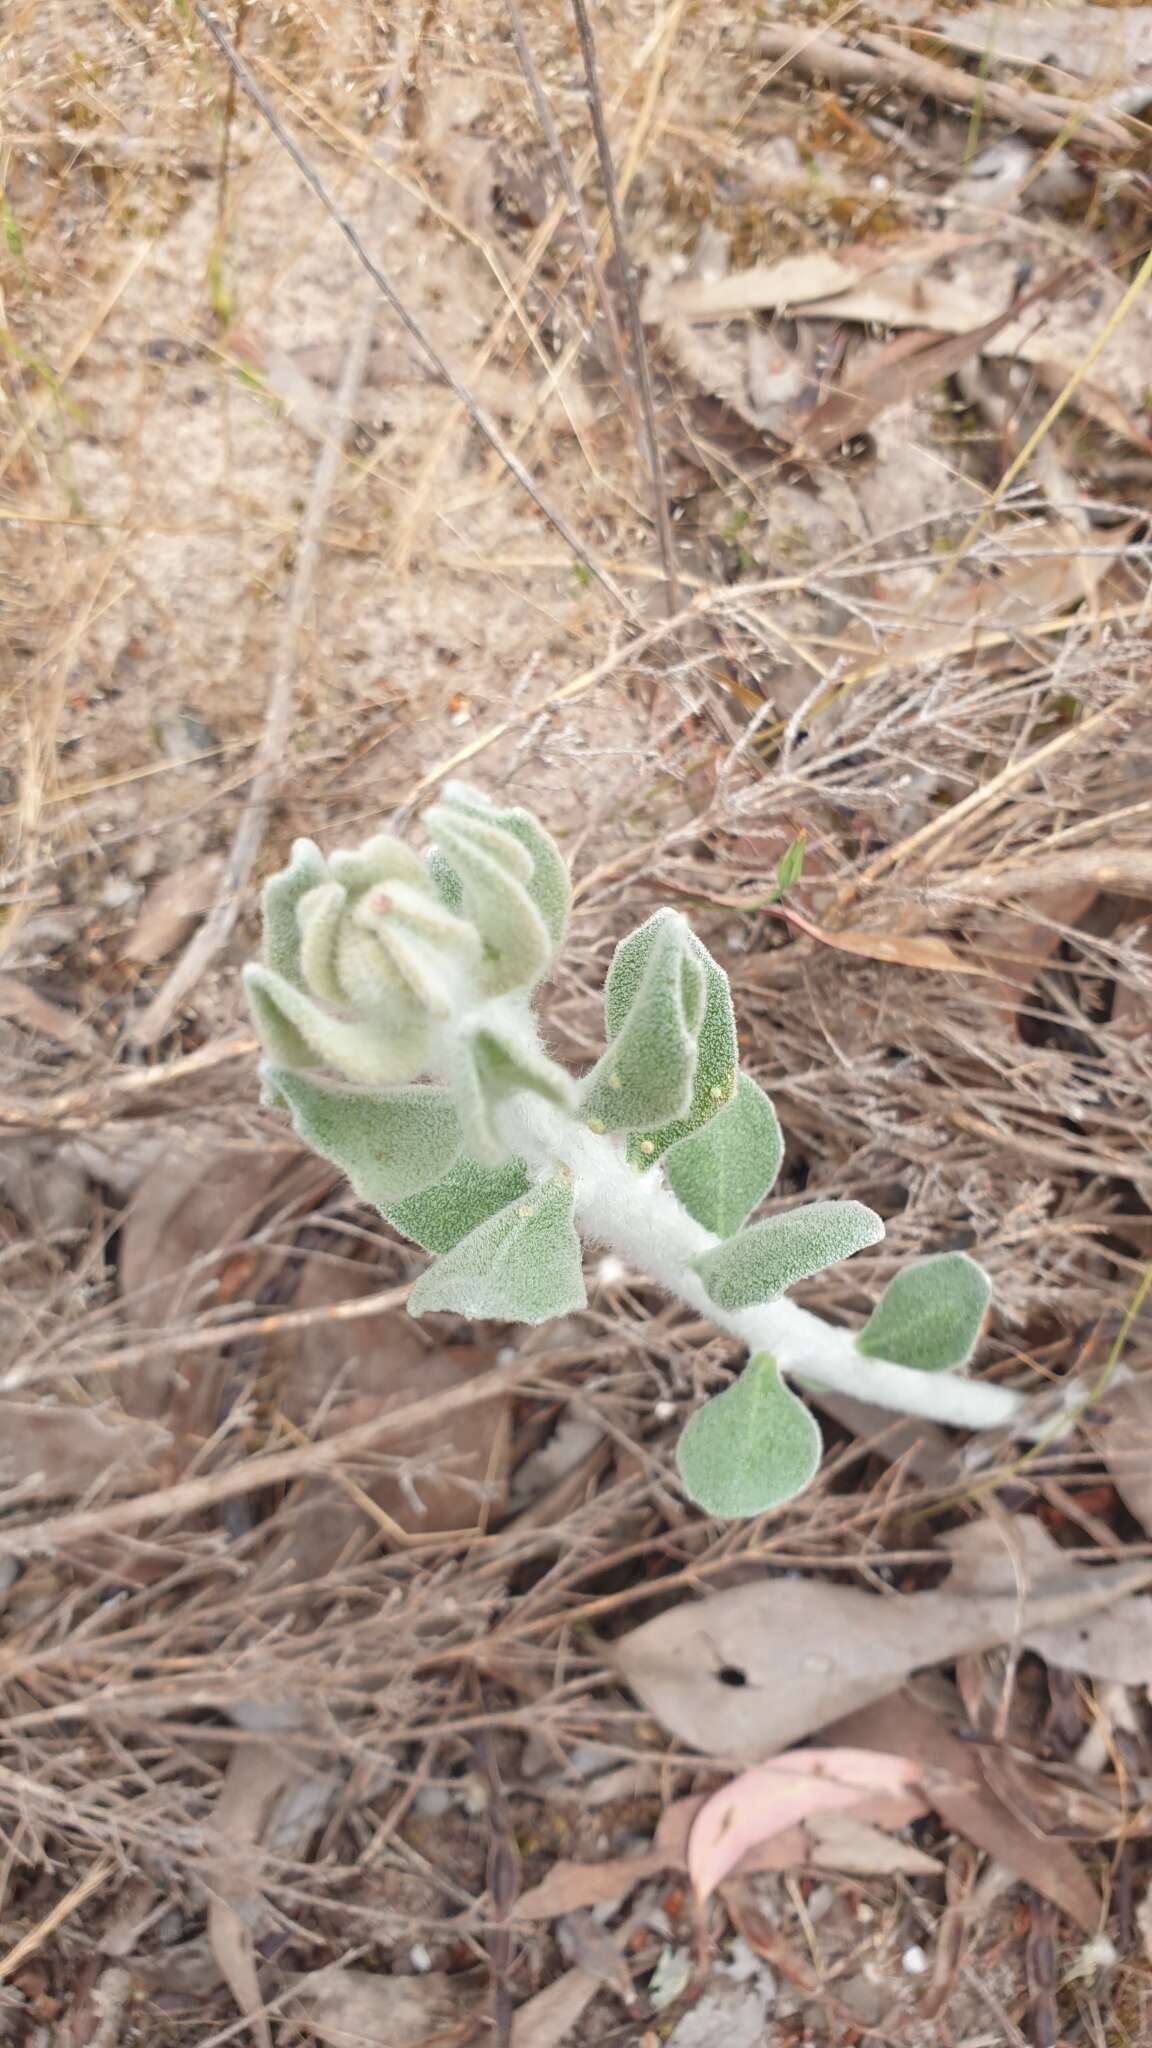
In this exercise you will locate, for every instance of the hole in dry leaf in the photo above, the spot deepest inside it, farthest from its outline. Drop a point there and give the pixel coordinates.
(731, 1674)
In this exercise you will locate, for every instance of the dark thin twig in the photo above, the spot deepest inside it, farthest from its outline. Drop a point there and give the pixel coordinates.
(542, 108)
(640, 365)
(407, 320)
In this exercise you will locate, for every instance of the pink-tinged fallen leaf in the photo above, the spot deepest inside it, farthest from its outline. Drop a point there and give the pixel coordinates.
(763, 1802)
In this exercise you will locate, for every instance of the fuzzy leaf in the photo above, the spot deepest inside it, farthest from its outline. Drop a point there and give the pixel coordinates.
(751, 1447)
(652, 1005)
(930, 1315)
(722, 1170)
(491, 1061)
(390, 1145)
(761, 1262)
(521, 1266)
(716, 1062)
(494, 869)
(298, 1032)
(442, 1215)
(549, 884)
(380, 859)
(305, 871)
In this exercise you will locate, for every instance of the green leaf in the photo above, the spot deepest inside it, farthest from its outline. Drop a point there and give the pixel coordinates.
(305, 871)
(549, 884)
(930, 1315)
(750, 1448)
(390, 1145)
(791, 867)
(762, 1261)
(521, 1266)
(442, 1215)
(721, 1171)
(380, 859)
(299, 1032)
(493, 869)
(491, 1061)
(716, 1063)
(652, 1004)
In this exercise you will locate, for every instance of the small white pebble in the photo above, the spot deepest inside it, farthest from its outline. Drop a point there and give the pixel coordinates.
(879, 183)
(914, 1960)
(664, 1411)
(611, 1271)
(419, 1957)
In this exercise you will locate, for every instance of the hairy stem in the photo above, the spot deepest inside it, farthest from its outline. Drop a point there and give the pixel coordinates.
(637, 1216)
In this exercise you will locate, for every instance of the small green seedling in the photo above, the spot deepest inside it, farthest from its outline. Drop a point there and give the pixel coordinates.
(395, 1002)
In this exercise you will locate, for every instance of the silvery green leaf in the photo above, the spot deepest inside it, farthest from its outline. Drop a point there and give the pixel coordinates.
(391, 1144)
(549, 884)
(380, 859)
(299, 1032)
(652, 1003)
(750, 1448)
(930, 1315)
(306, 870)
(522, 1266)
(493, 868)
(761, 1262)
(491, 1061)
(471, 1193)
(427, 951)
(716, 1064)
(445, 881)
(722, 1170)
(318, 917)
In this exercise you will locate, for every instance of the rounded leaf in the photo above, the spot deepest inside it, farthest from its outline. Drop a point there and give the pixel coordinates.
(930, 1315)
(763, 1261)
(750, 1448)
(722, 1170)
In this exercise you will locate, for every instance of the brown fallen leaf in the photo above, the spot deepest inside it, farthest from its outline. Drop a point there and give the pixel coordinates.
(851, 1847)
(1124, 1441)
(353, 2008)
(904, 367)
(571, 1887)
(171, 908)
(1040, 571)
(33, 1012)
(379, 1363)
(954, 1781)
(899, 295)
(1114, 1645)
(49, 1450)
(192, 1209)
(901, 949)
(745, 1673)
(545, 2020)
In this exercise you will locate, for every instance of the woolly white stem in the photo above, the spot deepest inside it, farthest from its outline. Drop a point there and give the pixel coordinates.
(639, 1217)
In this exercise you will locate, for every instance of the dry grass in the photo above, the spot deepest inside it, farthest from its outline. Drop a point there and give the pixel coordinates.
(945, 694)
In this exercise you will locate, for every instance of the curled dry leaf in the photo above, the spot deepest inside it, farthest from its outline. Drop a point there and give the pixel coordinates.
(765, 1802)
(746, 1672)
(954, 1781)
